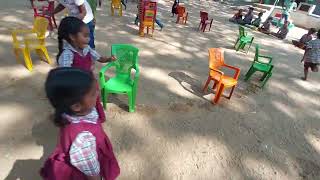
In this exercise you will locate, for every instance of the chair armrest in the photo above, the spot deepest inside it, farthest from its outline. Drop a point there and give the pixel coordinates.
(236, 69)
(103, 70)
(15, 32)
(218, 71)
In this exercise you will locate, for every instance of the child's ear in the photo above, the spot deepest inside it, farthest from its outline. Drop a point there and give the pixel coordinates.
(72, 37)
(76, 107)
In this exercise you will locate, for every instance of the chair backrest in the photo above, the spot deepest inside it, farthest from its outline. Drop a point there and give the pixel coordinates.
(241, 31)
(127, 58)
(216, 58)
(204, 16)
(181, 10)
(116, 3)
(40, 26)
(51, 6)
(256, 55)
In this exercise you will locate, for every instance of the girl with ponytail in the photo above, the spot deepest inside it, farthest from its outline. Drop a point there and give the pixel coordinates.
(73, 38)
(83, 150)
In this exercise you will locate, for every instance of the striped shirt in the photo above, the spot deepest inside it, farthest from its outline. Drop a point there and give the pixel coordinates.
(83, 154)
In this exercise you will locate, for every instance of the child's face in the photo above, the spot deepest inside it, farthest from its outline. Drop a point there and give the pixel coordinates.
(81, 40)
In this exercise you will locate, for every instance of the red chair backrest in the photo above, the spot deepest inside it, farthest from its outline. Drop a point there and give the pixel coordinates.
(181, 10)
(278, 15)
(204, 16)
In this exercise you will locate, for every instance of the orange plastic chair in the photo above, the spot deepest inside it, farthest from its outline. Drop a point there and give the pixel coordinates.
(221, 81)
(32, 39)
(182, 15)
(116, 4)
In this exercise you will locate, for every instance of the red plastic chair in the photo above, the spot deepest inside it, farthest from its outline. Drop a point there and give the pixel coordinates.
(182, 15)
(204, 21)
(42, 12)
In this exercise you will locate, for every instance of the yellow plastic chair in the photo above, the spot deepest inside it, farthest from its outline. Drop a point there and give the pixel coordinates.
(116, 4)
(32, 39)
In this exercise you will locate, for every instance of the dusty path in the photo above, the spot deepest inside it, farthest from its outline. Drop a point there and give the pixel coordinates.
(176, 133)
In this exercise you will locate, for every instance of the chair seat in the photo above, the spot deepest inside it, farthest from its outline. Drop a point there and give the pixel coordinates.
(246, 38)
(118, 85)
(227, 80)
(262, 67)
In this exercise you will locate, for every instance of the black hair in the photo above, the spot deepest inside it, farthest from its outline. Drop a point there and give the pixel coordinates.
(318, 34)
(260, 14)
(68, 26)
(251, 8)
(312, 30)
(65, 87)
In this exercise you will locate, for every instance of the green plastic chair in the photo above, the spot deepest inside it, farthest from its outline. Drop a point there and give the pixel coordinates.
(243, 40)
(122, 82)
(259, 65)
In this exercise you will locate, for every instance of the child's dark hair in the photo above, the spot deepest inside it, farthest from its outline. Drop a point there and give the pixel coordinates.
(68, 26)
(312, 30)
(65, 87)
(260, 14)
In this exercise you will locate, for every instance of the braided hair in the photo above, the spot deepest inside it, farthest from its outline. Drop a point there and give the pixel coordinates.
(68, 26)
(65, 87)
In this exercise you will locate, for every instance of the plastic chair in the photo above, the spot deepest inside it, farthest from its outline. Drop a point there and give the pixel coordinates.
(42, 12)
(116, 4)
(122, 83)
(204, 21)
(182, 15)
(33, 39)
(221, 81)
(259, 65)
(243, 40)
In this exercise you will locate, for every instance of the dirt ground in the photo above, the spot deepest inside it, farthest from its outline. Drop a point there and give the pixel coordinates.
(175, 133)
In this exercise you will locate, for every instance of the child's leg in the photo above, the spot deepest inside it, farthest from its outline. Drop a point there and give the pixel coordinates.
(159, 23)
(136, 21)
(306, 70)
(91, 29)
(124, 4)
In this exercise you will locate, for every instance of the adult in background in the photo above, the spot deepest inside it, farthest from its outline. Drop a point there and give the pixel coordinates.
(82, 10)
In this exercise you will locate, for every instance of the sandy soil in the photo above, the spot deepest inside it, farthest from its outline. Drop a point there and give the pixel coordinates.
(176, 133)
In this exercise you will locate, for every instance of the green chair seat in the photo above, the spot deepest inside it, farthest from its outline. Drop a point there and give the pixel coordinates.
(118, 85)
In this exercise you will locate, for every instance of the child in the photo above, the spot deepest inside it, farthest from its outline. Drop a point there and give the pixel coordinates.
(265, 28)
(283, 31)
(82, 10)
(304, 39)
(237, 17)
(311, 56)
(174, 7)
(256, 22)
(83, 150)
(248, 17)
(73, 37)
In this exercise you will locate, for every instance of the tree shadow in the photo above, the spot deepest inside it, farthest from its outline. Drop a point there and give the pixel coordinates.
(45, 135)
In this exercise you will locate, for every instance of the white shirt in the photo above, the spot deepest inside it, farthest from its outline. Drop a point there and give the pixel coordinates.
(73, 8)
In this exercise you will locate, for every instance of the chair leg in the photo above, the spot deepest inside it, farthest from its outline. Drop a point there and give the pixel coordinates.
(46, 55)
(231, 92)
(218, 94)
(249, 73)
(204, 27)
(130, 102)
(264, 76)
(103, 98)
(27, 59)
(249, 46)
(240, 45)
(199, 26)
(54, 21)
(134, 95)
(205, 87)
(16, 53)
(266, 79)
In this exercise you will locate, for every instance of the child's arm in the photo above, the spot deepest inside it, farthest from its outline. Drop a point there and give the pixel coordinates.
(105, 59)
(83, 11)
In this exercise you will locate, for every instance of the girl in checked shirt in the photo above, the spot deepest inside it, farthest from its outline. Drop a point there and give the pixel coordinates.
(83, 151)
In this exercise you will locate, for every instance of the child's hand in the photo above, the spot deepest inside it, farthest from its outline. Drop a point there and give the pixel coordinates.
(113, 58)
